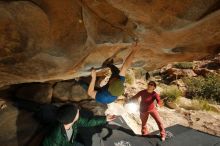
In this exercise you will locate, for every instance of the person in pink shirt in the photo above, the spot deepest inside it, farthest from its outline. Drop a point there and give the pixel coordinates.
(147, 107)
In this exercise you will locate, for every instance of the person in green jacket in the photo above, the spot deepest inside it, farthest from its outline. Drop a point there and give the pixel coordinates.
(69, 120)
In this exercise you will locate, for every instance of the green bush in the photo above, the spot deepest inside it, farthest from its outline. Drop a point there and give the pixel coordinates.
(203, 105)
(171, 93)
(184, 65)
(207, 88)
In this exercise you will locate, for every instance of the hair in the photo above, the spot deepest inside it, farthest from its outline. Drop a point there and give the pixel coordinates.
(67, 113)
(152, 82)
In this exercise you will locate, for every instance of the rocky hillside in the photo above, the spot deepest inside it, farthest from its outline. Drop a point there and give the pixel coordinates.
(201, 113)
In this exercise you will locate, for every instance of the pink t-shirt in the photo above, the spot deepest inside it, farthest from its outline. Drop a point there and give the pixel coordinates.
(147, 100)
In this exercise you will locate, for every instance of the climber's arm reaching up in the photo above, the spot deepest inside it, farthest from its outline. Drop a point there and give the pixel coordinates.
(128, 60)
(91, 90)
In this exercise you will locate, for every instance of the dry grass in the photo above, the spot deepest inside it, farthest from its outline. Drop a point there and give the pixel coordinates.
(171, 93)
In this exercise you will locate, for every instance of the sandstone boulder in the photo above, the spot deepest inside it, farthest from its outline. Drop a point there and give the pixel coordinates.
(93, 106)
(18, 127)
(174, 74)
(43, 40)
(203, 71)
(69, 91)
(180, 84)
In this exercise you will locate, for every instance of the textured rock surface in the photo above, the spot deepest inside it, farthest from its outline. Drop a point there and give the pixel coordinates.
(38, 92)
(69, 90)
(95, 107)
(51, 39)
(18, 126)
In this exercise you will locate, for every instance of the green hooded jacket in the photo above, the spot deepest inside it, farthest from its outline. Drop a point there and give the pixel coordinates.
(58, 136)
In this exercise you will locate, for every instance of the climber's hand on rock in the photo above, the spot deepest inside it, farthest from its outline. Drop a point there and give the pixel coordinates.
(135, 41)
(135, 46)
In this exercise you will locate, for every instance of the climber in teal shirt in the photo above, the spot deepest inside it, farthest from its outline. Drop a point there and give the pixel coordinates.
(115, 86)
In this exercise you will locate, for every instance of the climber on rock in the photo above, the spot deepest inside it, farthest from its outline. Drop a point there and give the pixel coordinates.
(147, 108)
(115, 86)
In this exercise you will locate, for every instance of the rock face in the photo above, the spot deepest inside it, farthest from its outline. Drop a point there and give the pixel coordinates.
(45, 40)
(69, 90)
(38, 92)
(18, 126)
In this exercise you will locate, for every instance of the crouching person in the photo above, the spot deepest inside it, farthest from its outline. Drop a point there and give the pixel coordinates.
(64, 132)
